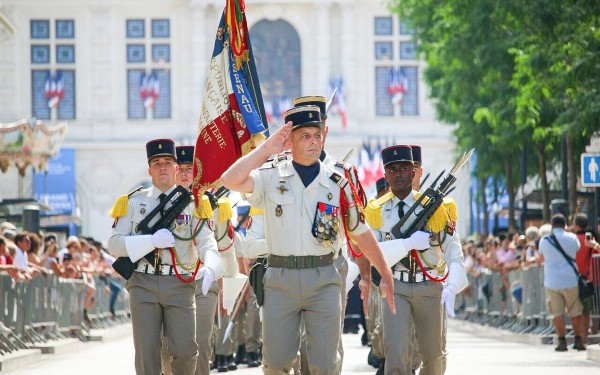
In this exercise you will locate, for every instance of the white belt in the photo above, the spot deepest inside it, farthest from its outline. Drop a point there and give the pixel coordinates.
(164, 269)
(405, 276)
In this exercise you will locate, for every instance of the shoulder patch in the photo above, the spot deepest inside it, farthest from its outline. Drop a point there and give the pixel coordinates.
(339, 180)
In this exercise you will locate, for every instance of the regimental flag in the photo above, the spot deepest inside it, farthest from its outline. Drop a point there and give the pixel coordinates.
(54, 89)
(149, 89)
(397, 86)
(232, 117)
(339, 100)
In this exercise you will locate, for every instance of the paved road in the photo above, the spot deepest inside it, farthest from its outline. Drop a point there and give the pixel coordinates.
(469, 354)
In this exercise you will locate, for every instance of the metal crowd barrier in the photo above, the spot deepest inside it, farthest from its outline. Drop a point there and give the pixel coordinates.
(524, 309)
(50, 308)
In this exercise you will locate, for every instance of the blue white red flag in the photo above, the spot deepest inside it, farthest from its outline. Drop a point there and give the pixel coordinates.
(339, 100)
(397, 86)
(149, 89)
(54, 89)
(232, 117)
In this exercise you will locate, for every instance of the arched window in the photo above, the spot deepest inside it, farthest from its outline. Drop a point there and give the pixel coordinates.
(277, 51)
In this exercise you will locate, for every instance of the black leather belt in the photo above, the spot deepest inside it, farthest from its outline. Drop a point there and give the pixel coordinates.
(296, 262)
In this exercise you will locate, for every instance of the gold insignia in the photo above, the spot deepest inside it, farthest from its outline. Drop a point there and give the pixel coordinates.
(159, 146)
(182, 152)
(330, 196)
(395, 152)
(278, 210)
(310, 115)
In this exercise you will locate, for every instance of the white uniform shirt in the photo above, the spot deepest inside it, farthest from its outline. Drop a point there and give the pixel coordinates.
(225, 244)
(290, 209)
(255, 245)
(140, 205)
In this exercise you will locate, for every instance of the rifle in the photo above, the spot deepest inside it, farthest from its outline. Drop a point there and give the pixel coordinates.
(182, 198)
(236, 310)
(430, 200)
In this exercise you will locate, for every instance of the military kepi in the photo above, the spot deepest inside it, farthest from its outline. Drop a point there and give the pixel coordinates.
(395, 154)
(304, 116)
(185, 154)
(416, 152)
(319, 101)
(160, 147)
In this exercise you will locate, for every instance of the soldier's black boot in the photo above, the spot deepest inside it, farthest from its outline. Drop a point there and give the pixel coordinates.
(253, 360)
(562, 345)
(578, 345)
(230, 362)
(240, 356)
(221, 363)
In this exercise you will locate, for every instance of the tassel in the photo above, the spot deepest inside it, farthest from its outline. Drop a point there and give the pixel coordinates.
(225, 211)
(256, 211)
(119, 209)
(204, 210)
(451, 208)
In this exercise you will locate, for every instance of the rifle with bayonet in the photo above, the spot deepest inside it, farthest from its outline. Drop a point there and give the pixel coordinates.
(180, 198)
(427, 204)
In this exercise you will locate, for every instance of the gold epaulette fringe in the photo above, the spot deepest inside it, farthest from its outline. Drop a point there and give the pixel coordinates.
(204, 210)
(450, 205)
(438, 221)
(225, 210)
(373, 210)
(119, 209)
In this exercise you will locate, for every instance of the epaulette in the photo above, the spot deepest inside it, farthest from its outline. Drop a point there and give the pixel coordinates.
(373, 212)
(439, 220)
(451, 209)
(339, 180)
(204, 209)
(119, 209)
(225, 210)
(267, 165)
(256, 211)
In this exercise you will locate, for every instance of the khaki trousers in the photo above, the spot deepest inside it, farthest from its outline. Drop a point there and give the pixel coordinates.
(206, 308)
(341, 264)
(417, 304)
(290, 295)
(252, 324)
(162, 304)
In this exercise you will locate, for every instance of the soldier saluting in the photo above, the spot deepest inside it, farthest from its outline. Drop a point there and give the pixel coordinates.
(307, 208)
(161, 286)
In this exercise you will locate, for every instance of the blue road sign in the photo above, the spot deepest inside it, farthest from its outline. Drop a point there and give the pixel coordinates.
(590, 170)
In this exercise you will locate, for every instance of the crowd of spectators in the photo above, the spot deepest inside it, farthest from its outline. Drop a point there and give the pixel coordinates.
(508, 252)
(25, 255)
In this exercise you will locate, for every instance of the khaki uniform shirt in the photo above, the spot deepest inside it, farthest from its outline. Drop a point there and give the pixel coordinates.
(450, 249)
(290, 209)
(140, 205)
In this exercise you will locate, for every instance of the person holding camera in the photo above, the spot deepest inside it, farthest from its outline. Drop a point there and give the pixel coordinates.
(560, 282)
(161, 286)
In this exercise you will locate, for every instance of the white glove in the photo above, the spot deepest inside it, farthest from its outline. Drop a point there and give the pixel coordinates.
(418, 240)
(448, 297)
(208, 276)
(163, 239)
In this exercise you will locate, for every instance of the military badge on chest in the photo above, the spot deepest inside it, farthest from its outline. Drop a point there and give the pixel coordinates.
(325, 225)
(182, 222)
